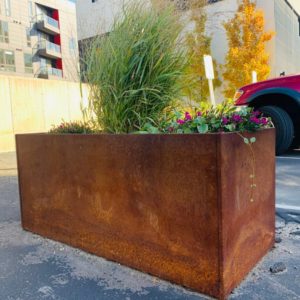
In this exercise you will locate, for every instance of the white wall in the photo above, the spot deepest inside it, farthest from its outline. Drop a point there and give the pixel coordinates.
(217, 14)
(287, 39)
(295, 4)
(96, 18)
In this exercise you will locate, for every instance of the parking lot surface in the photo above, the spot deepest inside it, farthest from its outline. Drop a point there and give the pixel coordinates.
(33, 268)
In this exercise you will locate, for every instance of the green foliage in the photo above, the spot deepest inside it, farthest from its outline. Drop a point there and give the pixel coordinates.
(74, 127)
(224, 117)
(135, 73)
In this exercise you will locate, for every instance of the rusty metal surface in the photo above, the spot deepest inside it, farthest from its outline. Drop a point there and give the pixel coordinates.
(248, 204)
(151, 202)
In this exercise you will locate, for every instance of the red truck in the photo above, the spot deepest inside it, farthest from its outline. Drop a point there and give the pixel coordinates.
(279, 99)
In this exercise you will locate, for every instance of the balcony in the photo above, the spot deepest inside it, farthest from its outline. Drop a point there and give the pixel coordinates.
(49, 73)
(47, 24)
(48, 50)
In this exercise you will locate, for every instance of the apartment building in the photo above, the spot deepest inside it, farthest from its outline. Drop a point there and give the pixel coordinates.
(38, 38)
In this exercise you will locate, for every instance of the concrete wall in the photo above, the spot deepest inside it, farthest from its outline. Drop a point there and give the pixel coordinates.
(96, 18)
(34, 105)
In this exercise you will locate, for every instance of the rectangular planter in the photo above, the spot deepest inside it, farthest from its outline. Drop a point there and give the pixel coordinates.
(185, 208)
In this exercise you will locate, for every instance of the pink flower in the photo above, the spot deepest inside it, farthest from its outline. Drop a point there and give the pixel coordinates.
(187, 116)
(199, 114)
(180, 122)
(264, 121)
(255, 120)
(237, 118)
(225, 120)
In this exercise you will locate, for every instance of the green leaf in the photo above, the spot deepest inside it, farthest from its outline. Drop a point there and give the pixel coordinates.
(203, 128)
(140, 132)
(230, 127)
(153, 129)
(197, 120)
(187, 130)
(177, 114)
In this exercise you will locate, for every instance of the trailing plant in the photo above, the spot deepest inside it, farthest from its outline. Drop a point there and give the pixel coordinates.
(247, 40)
(224, 117)
(135, 73)
(74, 127)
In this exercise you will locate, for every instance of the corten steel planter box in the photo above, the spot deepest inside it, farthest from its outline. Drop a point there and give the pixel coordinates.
(176, 206)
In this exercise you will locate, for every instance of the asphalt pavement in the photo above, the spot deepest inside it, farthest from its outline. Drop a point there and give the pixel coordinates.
(33, 268)
(288, 181)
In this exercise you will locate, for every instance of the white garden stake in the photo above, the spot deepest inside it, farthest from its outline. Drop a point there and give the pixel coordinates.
(210, 75)
(254, 76)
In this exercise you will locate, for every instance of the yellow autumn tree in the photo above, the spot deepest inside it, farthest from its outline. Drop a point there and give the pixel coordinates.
(199, 44)
(247, 40)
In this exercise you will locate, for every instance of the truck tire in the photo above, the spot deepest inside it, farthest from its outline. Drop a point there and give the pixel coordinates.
(283, 125)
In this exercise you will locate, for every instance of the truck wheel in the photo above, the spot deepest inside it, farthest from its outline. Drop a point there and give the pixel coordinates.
(283, 125)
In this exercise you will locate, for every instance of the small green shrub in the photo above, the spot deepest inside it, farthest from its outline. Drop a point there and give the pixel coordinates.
(74, 127)
(135, 73)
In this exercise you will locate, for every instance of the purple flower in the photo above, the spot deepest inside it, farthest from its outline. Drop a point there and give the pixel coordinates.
(255, 120)
(180, 122)
(187, 116)
(225, 120)
(199, 114)
(237, 118)
(264, 121)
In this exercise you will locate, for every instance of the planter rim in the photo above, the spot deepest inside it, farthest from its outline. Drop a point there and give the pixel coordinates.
(143, 134)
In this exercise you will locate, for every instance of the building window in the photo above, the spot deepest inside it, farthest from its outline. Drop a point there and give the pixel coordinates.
(4, 32)
(72, 45)
(7, 8)
(7, 61)
(28, 37)
(28, 63)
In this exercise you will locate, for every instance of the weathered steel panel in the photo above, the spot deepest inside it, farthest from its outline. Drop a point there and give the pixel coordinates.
(164, 204)
(149, 202)
(247, 194)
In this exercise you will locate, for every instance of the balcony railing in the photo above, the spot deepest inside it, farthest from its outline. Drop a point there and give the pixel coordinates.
(52, 47)
(48, 49)
(51, 21)
(47, 24)
(45, 72)
(7, 68)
